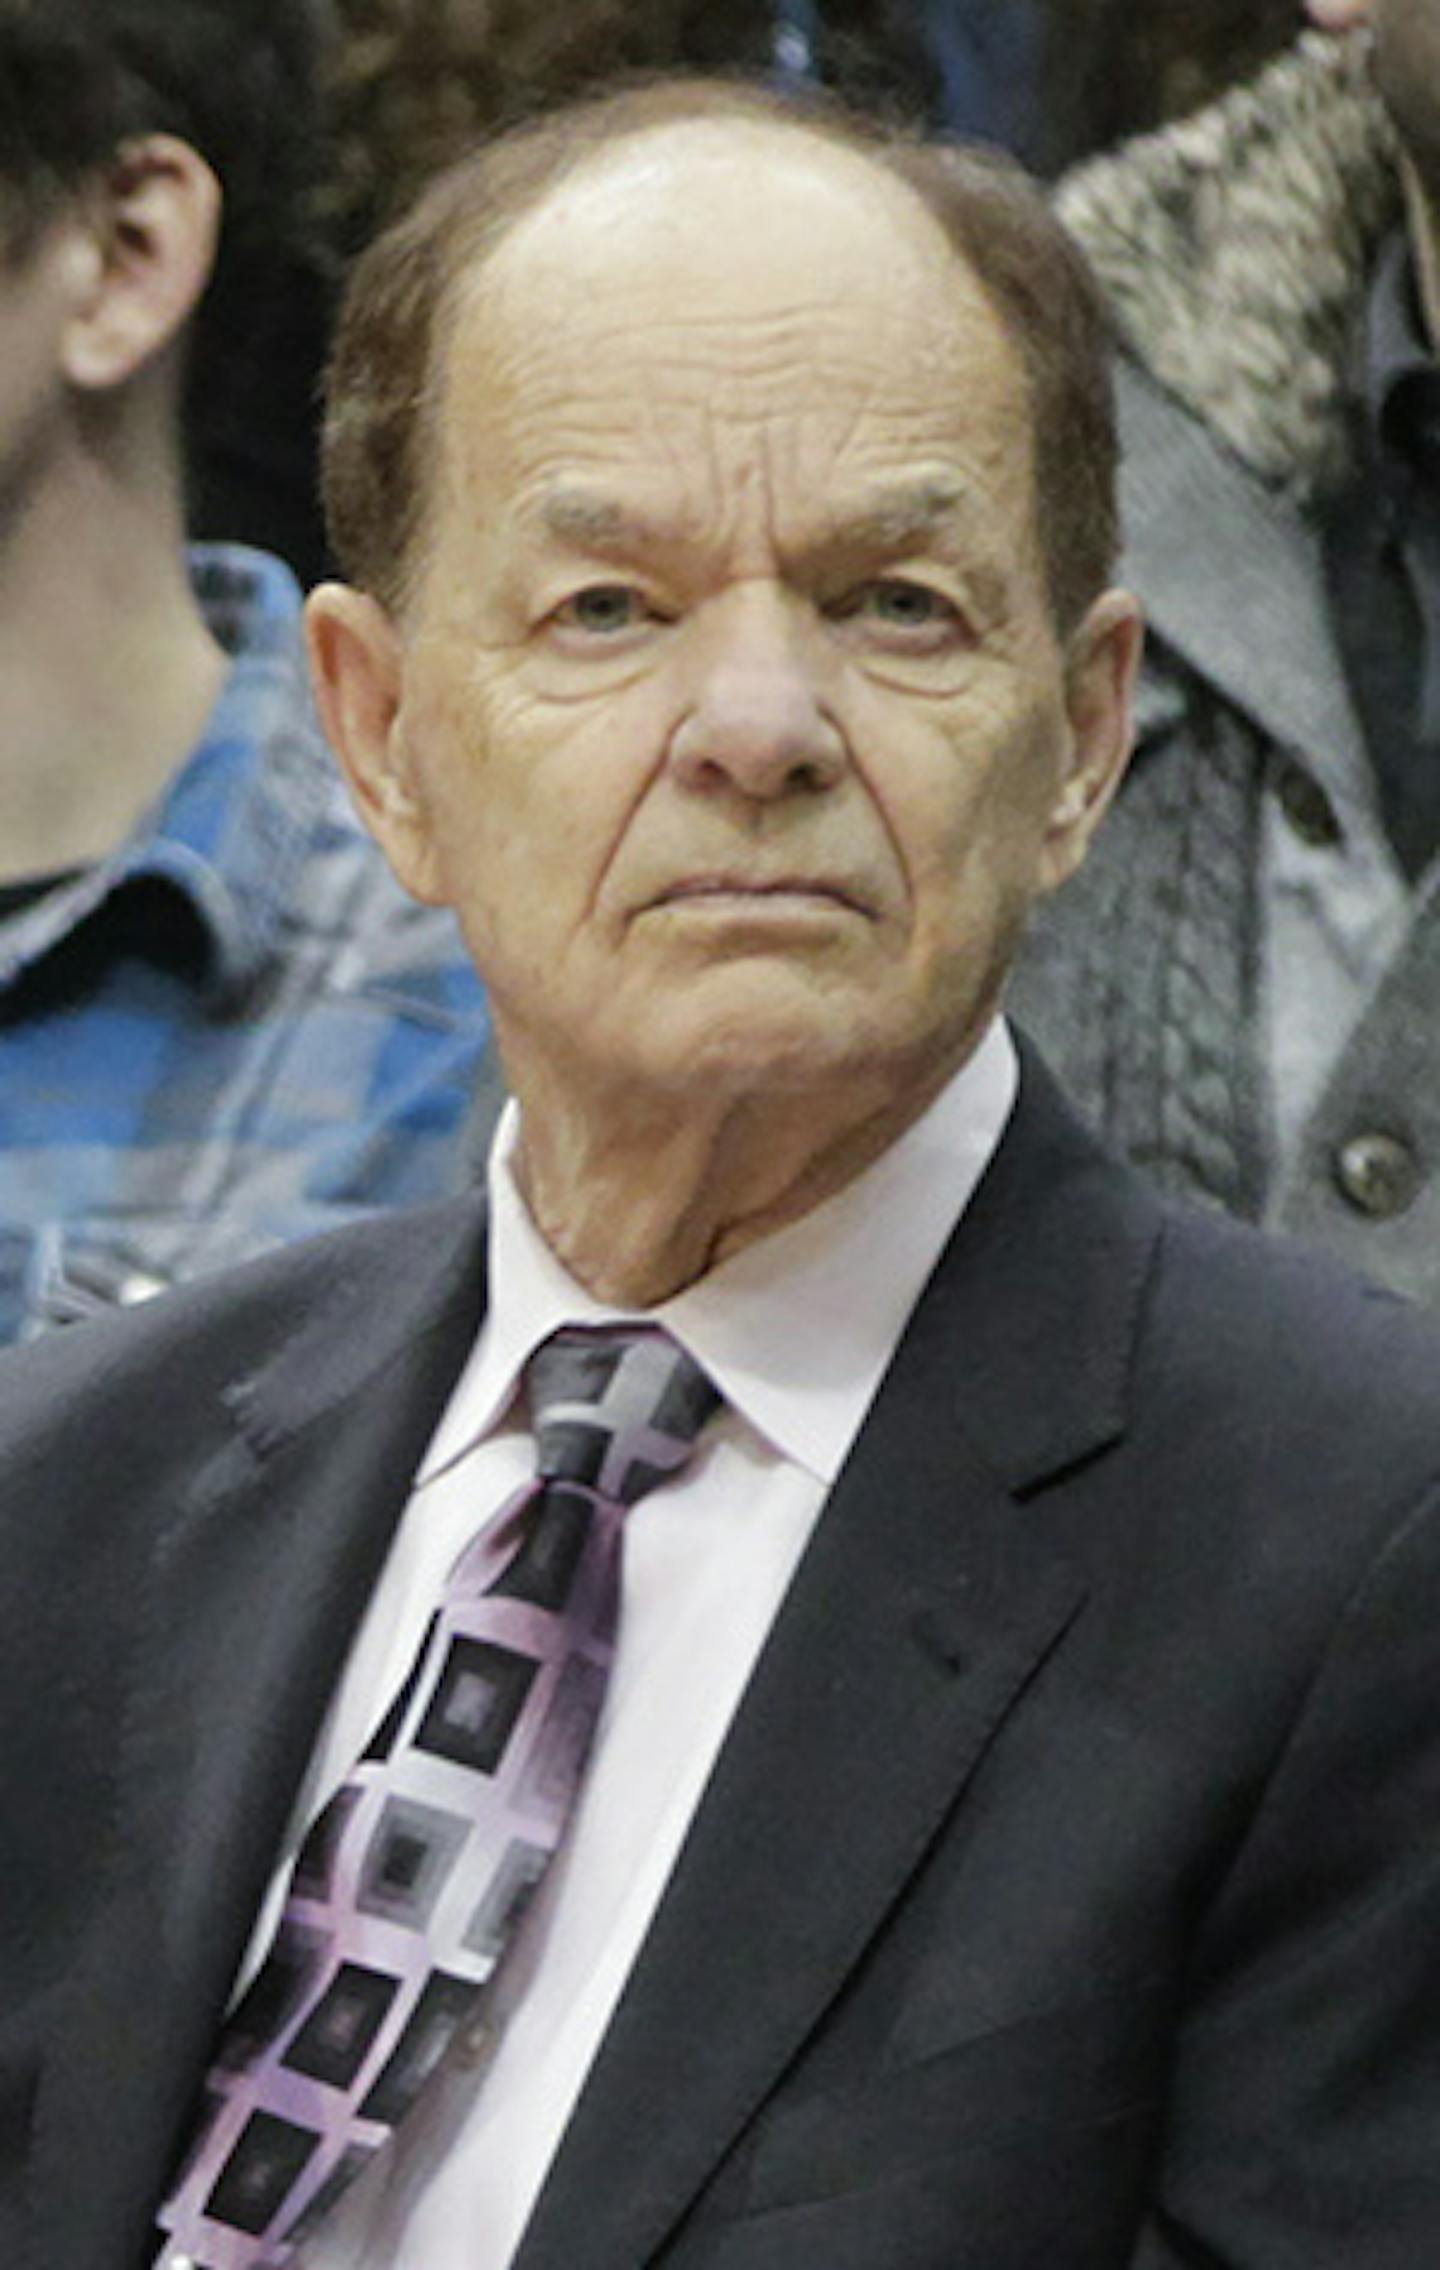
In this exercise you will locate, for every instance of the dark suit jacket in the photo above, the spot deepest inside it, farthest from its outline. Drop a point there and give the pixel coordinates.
(1067, 1894)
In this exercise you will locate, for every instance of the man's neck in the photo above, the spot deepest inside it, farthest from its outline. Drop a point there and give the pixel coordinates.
(107, 670)
(640, 1196)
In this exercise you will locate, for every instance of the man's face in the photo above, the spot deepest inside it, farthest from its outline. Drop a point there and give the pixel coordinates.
(731, 717)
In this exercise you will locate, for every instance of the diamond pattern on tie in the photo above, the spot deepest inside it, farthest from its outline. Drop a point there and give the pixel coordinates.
(411, 1881)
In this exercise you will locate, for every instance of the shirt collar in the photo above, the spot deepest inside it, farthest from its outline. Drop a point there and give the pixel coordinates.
(798, 1329)
(232, 828)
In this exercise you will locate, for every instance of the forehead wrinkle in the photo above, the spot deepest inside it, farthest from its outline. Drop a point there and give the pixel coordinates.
(665, 398)
(657, 255)
(626, 391)
(742, 364)
(709, 346)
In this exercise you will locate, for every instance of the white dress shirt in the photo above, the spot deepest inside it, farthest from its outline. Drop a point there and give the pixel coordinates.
(796, 1331)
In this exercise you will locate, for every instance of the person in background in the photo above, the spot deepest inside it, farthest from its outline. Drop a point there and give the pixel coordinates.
(411, 84)
(1009, 1833)
(1053, 81)
(1108, 70)
(988, 57)
(1243, 989)
(221, 1023)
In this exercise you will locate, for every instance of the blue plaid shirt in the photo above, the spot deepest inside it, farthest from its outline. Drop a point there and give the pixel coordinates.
(238, 1028)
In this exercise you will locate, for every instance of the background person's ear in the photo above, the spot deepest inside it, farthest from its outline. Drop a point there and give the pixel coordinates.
(1102, 664)
(357, 666)
(153, 220)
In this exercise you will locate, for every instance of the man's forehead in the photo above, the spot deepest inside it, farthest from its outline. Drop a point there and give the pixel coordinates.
(629, 374)
(724, 200)
(714, 266)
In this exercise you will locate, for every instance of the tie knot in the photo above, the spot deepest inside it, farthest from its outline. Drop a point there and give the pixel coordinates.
(615, 1407)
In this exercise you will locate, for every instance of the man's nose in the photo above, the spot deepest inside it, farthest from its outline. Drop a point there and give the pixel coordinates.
(756, 718)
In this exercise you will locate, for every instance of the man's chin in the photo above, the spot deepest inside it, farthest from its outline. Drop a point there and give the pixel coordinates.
(766, 1049)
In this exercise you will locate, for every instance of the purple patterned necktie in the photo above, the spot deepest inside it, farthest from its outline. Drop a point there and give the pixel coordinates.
(410, 1882)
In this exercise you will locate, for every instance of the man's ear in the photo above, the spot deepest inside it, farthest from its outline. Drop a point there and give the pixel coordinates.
(357, 663)
(1102, 663)
(154, 222)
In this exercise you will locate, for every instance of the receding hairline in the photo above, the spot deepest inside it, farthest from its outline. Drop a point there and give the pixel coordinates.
(391, 358)
(718, 135)
(480, 247)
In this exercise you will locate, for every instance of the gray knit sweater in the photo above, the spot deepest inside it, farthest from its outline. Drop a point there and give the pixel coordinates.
(1236, 249)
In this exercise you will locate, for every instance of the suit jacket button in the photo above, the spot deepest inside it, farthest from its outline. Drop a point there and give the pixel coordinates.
(1378, 1174)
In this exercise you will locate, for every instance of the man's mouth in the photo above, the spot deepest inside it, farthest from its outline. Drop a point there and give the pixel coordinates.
(775, 892)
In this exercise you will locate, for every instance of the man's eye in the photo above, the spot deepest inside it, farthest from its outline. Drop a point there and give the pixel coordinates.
(898, 605)
(602, 609)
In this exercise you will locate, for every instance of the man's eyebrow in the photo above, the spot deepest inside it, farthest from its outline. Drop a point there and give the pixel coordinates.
(892, 517)
(895, 520)
(574, 516)
(947, 518)
(889, 522)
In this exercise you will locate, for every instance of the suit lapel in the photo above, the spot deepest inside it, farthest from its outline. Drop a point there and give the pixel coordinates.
(922, 1607)
(314, 1452)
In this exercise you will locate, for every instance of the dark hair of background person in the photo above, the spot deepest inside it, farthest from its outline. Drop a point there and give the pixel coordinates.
(1112, 68)
(386, 372)
(240, 81)
(419, 82)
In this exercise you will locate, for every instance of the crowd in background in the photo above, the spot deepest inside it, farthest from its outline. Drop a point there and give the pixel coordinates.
(407, 85)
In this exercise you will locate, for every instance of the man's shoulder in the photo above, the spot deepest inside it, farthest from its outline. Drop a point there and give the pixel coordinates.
(322, 1316)
(1285, 1415)
(1252, 1326)
(1220, 1410)
(1259, 1302)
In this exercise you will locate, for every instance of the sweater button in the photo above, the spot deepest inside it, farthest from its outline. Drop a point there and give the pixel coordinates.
(1378, 1174)
(1307, 807)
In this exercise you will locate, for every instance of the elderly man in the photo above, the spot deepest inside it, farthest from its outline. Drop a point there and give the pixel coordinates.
(1009, 1834)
